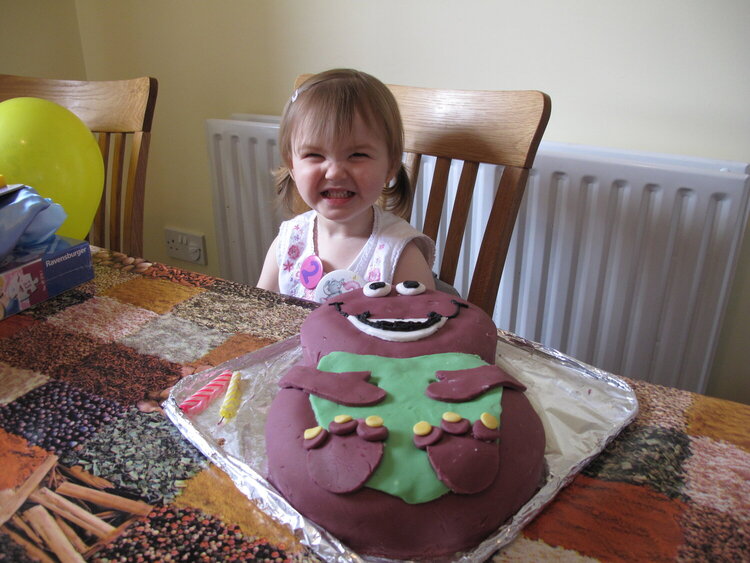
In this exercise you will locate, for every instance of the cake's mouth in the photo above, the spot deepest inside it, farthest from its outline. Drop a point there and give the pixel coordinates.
(399, 330)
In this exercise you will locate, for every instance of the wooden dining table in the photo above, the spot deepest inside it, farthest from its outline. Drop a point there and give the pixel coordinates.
(93, 470)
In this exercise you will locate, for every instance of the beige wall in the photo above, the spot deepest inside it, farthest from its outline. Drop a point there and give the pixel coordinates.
(669, 76)
(41, 39)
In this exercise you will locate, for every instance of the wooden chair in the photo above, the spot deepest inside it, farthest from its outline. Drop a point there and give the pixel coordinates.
(120, 113)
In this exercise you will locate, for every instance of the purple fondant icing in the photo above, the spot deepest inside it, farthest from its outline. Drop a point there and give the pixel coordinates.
(344, 463)
(317, 441)
(348, 388)
(464, 385)
(481, 432)
(342, 428)
(371, 433)
(434, 436)
(457, 428)
(465, 465)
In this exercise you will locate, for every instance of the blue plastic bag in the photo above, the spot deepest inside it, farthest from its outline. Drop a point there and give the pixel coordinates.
(26, 219)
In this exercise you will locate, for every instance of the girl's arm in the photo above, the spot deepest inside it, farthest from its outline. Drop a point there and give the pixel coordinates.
(269, 276)
(413, 266)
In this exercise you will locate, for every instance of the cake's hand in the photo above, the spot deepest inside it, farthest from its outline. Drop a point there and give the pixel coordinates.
(467, 384)
(465, 465)
(465, 457)
(343, 459)
(349, 388)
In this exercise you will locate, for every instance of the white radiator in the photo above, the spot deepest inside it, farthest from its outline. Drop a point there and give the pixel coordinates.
(623, 260)
(242, 153)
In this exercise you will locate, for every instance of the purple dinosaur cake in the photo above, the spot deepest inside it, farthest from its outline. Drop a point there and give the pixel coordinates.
(396, 431)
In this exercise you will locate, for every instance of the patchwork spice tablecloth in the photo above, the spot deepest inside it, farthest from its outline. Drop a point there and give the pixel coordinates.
(92, 469)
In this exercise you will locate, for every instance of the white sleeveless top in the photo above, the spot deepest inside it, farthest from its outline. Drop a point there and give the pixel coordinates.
(375, 262)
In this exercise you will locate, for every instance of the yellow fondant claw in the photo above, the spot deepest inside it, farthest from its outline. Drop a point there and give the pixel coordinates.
(489, 420)
(422, 428)
(374, 421)
(311, 433)
(450, 416)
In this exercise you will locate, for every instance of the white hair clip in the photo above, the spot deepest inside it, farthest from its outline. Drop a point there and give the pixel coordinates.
(294, 95)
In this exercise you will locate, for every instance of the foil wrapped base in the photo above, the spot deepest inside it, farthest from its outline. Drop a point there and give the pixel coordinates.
(582, 409)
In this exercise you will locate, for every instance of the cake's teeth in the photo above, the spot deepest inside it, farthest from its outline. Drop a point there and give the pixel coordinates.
(422, 320)
(409, 331)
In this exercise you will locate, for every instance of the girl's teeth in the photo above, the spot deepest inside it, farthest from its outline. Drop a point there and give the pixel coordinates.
(337, 193)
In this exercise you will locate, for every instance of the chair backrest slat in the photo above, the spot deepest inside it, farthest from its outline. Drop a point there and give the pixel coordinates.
(134, 204)
(412, 162)
(120, 112)
(458, 219)
(117, 159)
(438, 188)
(496, 240)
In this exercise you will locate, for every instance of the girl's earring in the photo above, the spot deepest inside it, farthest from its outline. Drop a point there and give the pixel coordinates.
(391, 183)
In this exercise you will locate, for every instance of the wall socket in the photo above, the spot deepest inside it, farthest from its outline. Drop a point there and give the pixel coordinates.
(189, 247)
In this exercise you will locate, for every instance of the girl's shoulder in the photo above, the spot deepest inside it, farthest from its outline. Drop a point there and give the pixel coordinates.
(394, 233)
(387, 220)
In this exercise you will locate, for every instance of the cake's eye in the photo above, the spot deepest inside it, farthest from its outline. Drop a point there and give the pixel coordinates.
(377, 289)
(410, 287)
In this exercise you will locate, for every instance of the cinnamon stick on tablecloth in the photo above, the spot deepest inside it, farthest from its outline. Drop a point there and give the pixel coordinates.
(53, 536)
(70, 533)
(107, 500)
(19, 523)
(77, 472)
(71, 511)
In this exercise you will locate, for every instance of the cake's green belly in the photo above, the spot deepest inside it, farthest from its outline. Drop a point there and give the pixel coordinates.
(405, 470)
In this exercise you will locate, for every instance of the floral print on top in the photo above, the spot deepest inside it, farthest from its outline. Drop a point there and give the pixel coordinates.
(375, 262)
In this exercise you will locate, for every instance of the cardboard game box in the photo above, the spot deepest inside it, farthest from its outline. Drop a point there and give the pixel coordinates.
(31, 276)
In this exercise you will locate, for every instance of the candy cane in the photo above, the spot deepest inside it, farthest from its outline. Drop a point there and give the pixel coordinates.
(198, 401)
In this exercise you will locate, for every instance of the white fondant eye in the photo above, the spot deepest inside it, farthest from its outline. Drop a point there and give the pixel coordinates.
(377, 289)
(410, 288)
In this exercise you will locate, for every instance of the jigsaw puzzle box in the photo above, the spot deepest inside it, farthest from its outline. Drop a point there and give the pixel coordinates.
(30, 276)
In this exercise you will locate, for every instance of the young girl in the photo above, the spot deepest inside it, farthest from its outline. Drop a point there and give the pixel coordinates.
(341, 143)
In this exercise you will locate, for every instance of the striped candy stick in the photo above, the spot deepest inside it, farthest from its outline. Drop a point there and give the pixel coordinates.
(198, 401)
(231, 402)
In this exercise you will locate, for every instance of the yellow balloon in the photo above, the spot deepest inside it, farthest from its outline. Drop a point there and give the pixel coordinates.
(47, 147)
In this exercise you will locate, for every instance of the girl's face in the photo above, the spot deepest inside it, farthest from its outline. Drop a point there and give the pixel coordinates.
(342, 178)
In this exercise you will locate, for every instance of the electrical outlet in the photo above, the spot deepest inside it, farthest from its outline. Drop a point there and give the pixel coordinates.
(185, 246)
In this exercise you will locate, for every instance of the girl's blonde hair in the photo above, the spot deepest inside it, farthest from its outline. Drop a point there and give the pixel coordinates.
(325, 105)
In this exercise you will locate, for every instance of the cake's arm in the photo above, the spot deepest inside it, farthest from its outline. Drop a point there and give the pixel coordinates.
(467, 384)
(348, 388)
